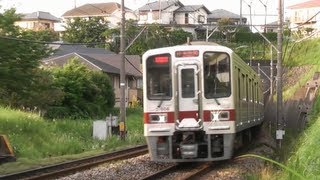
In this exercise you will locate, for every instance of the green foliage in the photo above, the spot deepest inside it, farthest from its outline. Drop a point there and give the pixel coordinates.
(34, 138)
(178, 36)
(154, 36)
(292, 172)
(113, 39)
(19, 60)
(43, 92)
(43, 35)
(242, 37)
(306, 159)
(81, 30)
(225, 28)
(87, 93)
(303, 53)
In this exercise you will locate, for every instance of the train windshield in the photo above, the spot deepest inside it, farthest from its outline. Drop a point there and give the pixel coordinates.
(216, 67)
(158, 77)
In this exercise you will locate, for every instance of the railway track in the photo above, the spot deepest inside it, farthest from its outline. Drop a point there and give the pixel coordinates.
(62, 169)
(184, 171)
(196, 170)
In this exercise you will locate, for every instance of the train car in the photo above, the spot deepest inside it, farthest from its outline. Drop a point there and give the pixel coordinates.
(200, 101)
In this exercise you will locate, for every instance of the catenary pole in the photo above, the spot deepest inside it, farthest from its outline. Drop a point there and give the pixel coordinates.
(280, 120)
(122, 126)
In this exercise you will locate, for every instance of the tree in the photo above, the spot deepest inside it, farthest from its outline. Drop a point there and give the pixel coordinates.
(81, 30)
(156, 36)
(19, 59)
(224, 26)
(87, 93)
(178, 36)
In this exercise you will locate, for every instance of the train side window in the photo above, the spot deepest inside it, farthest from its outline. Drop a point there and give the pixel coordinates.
(216, 74)
(258, 95)
(243, 87)
(253, 91)
(239, 85)
(250, 90)
(247, 89)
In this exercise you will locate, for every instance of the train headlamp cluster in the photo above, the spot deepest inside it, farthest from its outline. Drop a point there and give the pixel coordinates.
(220, 115)
(158, 118)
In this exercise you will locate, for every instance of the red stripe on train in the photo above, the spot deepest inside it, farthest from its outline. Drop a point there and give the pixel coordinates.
(188, 114)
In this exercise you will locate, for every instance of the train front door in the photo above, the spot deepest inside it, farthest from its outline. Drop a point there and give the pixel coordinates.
(188, 95)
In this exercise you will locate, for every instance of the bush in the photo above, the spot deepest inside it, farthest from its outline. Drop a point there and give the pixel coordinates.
(254, 37)
(87, 93)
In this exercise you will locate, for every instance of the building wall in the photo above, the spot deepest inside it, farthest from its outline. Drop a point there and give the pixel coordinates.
(114, 19)
(133, 92)
(35, 24)
(149, 17)
(193, 17)
(299, 16)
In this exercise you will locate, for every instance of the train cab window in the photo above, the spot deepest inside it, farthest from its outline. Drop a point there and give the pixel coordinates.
(187, 83)
(159, 85)
(216, 75)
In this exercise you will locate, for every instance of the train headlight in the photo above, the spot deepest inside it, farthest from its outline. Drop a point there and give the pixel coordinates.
(158, 118)
(220, 115)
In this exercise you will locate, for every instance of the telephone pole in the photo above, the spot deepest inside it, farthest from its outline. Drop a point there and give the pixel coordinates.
(122, 126)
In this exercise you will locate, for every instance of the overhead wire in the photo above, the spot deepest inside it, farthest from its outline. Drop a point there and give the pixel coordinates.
(59, 43)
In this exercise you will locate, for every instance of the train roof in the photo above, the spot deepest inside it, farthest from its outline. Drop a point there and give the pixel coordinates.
(195, 45)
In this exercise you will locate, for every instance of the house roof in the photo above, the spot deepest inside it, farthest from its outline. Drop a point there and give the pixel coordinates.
(98, 9)
(39, 15)
(96, 58)
(192, 8)
(307, 4)
(62, 49)
(156, 5)
(221, 13)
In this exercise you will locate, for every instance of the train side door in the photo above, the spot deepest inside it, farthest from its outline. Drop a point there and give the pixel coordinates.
(188, 101)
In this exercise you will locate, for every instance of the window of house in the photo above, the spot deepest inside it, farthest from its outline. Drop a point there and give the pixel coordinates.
(186, 18)
(200, 19)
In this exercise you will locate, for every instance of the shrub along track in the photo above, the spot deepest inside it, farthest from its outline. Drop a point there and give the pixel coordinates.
(69, 167)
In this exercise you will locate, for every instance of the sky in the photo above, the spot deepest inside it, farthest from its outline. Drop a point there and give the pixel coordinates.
(58, 7)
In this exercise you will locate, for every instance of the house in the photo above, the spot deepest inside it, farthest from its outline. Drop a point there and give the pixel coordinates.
(106, 61)
(271, 27)
(37, 21)
(172, 13)
(109, 11)
(219, 14)
(305, 15)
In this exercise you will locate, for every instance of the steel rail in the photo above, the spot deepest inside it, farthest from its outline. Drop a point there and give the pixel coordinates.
(62, 169)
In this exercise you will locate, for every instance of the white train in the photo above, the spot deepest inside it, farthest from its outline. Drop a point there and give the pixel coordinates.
(200, 101)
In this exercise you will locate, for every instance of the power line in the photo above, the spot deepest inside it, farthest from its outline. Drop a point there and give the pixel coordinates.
(47, 42)
(59, 43)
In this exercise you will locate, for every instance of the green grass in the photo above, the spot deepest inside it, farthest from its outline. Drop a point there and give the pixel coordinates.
(37, 141)
(305, 159)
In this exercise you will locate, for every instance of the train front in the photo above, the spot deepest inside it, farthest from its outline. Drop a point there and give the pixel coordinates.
(188, 105)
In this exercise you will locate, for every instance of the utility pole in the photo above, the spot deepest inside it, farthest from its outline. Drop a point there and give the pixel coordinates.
(122, 76)
(240, 12)
(280, 120)
(250, 6)
(159, 12)
(265, 26)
